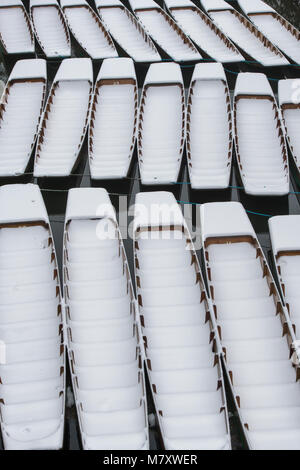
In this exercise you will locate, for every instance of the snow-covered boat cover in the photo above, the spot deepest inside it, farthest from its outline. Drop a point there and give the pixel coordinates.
(127, 31)
(50, 28)
(161, 124)
(21, 108)
(177, 328)
(244, 34)
(16, 35)
(164, 31)
(203, 31)
(284, 231)
(289, 100)
(104, 349)
(259, 139)
(254, 329)
(209, 132)
(113, 125)
(31, 328)
(88, 30)
(276, 28)
(65, 119)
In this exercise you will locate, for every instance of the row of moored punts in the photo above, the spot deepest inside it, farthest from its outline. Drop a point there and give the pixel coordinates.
(182, 32)
(174, 328)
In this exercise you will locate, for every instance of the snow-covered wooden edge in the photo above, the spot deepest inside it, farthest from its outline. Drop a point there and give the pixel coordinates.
(18, 4)
(141, 5)
(221, 5)
(289, 98)
(251, 8)
(135, 22)
(226, 222)
(161, 74)
(257, 86)
(83, 4)
(72, 70)
(26, 71)
(119, 71)
(23, 204)
(209, 71)
(154, 211)
(189, 5)
(95, 203)
(49, 3)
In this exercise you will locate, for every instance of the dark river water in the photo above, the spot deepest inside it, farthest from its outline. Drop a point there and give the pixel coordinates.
(56, 196)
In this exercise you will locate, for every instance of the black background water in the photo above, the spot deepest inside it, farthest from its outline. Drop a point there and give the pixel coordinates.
(56, 197)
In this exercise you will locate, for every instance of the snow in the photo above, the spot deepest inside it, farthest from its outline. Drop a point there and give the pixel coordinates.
(113, 122)
(255, 350)
(50, 28)
(103, 341)
(161, 124)
(87, 29)
(180, 359)
(127, 31)
(164, 31)
(64, 125)
(244, 34)
(205, 34)
(263, 168)
(287, 95)
(284, 231)
(208, 116)
(15, 28)
(254, 6)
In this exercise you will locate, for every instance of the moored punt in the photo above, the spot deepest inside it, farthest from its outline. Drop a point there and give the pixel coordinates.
(164, 31)
(88, 30)
(244, 34)
(285, 238)
(113, 124)
(179, 334)
(103, 340)
(16, 35)
(203, 31)
(254, 330)
(209, 133)
(21, 107)
(32, 365)
(127, 31)
(50, 28)
(161, 124)
(259, 139)
(289, 102)
(65, 119)
(276, 28)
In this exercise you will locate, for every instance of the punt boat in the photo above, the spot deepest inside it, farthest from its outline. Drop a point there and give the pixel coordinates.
(255, 333)
(113, 124)
(127, 31)
(88, 30)
(259, 138)
(289, 101)
(21, 107)
(161, 124)
(276, 28)
(32, 359)
(254, 45)
(203, 31)
(16, 35)
(103, 339)
(65, 119)
(50, 28)
(285, 238)
(209, 133)
(164, 31)
(178, 329)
